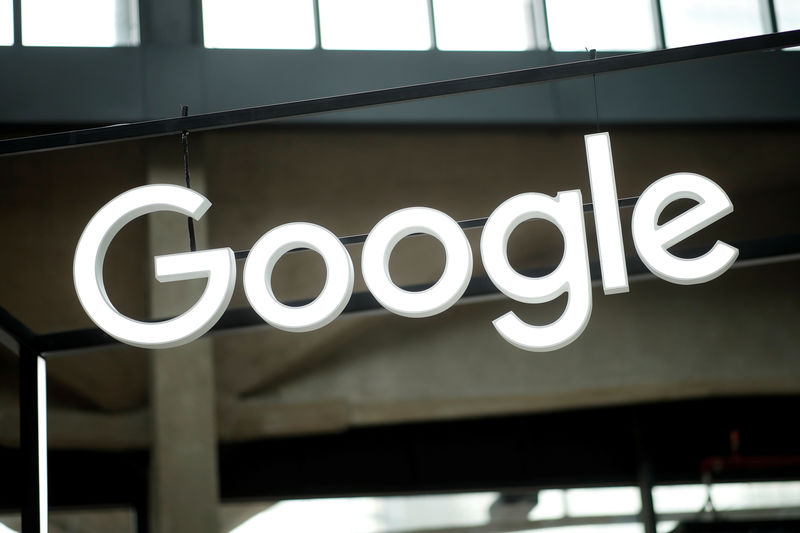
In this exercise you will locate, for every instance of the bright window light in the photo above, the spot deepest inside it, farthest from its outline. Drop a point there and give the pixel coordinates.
(609, 501)
(688, 22)
(679, 498)
(551, 505)
(80, 23)
(340, 515)
(606, 25)
(276, 24)
(730, 496)
(483, 24)
(374, 24)
(788, 12)
(370, 515)
(596, 528)
(401, 513)
(6, 22)
(726, 496)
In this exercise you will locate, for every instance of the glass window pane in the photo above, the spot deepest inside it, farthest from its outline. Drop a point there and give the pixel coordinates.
(679, 498)
(607, 501)
(607, 25)
(80, 23)
(483, 24)
(727, 496)
(551, 505)
(592, 528)
(688, 22)
(259, 24)
(374, 24)
(6, 22)
(788, 12)
(371, 515)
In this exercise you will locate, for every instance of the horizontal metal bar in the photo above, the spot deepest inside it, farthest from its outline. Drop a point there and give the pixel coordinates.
(15, 329)
(240, 117)
(471, 223)
(750, 252)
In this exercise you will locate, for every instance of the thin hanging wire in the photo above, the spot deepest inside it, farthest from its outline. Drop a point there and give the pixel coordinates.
(593, 56)
(185, 140)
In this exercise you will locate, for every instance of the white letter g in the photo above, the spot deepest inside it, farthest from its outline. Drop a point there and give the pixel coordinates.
(218, 265)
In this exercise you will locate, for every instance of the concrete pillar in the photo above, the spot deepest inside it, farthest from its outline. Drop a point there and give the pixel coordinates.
(184, 486)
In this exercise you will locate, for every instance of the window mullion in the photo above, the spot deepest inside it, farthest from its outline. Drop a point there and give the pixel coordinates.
(17, 7)
(769, 15)
(540, 32)
(432, 24)
(658, 22)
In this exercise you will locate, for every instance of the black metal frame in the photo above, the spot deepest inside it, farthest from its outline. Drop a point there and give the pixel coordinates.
(253, 115)
(31, 347)
(32, 419)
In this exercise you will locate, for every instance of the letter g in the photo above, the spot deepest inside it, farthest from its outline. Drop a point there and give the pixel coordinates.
(218, 265)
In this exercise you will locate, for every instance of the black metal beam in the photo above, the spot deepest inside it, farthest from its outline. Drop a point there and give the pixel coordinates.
(573, 448)
(81, 479)
(530, 76)
(19, 331)
(644, 478)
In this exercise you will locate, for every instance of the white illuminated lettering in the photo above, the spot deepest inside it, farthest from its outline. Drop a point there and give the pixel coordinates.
(571, 276)
(606, 213)
(217, 265)
(264, 256)
(652, 240)
(378, 250)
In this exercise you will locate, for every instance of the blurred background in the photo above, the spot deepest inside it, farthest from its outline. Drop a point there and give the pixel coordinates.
(676, 410)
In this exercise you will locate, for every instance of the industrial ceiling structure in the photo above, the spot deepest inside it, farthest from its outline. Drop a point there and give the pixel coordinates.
(668, 385)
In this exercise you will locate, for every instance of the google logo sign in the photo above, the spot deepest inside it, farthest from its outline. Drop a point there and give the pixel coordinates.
(565, 211)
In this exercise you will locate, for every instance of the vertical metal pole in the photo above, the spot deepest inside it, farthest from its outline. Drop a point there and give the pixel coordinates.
(644, 475)
(143, 513)
(658, 22)
(17, 6)
(541, 33)
(317, 28)
(197, 30)
(772, 16)
(33, 439)
(432, 24)
(126, 21)
(646, 491)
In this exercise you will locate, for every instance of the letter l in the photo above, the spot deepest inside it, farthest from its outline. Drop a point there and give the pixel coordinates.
(606, 213)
